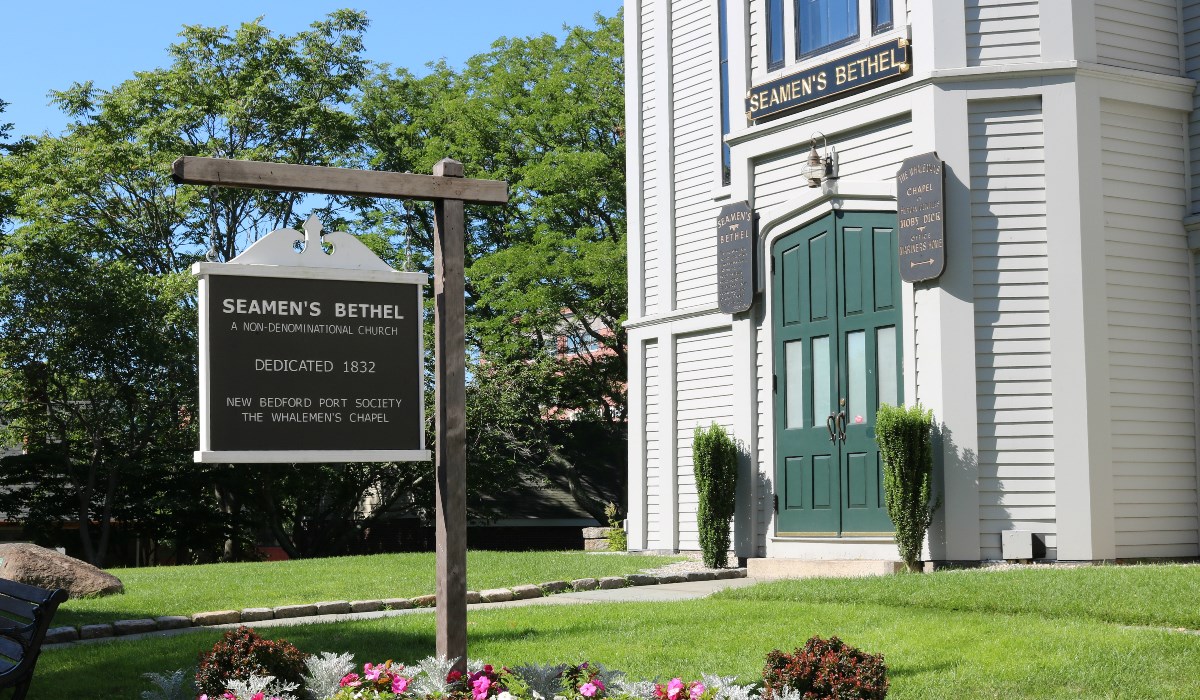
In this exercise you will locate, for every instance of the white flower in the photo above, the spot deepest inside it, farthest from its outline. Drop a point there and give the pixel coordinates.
(505, 696)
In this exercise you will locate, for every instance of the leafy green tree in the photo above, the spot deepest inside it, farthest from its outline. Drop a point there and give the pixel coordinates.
(6, 196)
(98, 356)
(95, 379)
(546, 275)
(96, 213)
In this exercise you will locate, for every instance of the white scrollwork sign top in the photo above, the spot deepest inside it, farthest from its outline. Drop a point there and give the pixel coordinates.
(279, 248)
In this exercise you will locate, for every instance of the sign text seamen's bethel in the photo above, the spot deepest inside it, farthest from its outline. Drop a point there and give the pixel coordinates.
(284, 307)
(859, 69)
(735, 258)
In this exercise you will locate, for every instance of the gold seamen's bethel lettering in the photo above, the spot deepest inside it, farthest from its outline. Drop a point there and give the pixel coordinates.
(865, 68)
(800, 87)
(869, 65)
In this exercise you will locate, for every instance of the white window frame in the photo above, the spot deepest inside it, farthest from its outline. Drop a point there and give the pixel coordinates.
(866, 37)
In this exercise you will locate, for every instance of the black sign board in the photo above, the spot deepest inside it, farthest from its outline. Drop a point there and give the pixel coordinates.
(921, 204)
(313, 365)
(859, 69)
(735, 258)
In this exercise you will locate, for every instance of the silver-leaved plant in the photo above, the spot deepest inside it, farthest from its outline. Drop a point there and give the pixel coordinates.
(267, 685)
(429, 676)
(180, 685)
(727, 687)
(542, 679)
(643, 690)
(325, 672)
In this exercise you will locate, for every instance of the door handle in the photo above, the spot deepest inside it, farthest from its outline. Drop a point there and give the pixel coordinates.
(841, 425)
(830, 425)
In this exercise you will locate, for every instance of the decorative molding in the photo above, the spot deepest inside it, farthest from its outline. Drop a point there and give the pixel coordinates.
(279, 248)
(680, 315)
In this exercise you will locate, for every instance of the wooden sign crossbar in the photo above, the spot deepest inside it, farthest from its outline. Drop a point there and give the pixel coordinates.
(286, 177)
(449, 190)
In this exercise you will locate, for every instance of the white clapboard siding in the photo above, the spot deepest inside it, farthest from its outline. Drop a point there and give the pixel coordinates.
(1012, 321)
(757, 44)
(703, 395)
(696, 157)
(1151, 383)
(651, 216)
(655, 498)
(1002, 31)
(1191, 54)
(871, 153)
(1138, 34)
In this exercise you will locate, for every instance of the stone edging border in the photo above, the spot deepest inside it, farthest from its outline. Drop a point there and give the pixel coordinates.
(120, 628)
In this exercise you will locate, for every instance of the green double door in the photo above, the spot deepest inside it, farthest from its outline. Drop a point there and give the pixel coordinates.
(836, 316)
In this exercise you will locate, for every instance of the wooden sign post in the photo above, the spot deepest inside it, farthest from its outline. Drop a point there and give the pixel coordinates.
(449, 191)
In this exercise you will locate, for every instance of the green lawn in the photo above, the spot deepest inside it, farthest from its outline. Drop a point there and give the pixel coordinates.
(945, 635)
(183, 590)
(1165, 595)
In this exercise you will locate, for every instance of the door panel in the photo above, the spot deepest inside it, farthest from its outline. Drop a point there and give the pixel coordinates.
(869, 251)
(809, 478)
(836, 342)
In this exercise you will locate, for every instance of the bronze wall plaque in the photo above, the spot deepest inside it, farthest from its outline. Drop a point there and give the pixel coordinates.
(921, 203)
(735, 258)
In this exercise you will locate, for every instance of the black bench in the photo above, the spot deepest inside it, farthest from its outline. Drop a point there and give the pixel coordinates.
(25, 613)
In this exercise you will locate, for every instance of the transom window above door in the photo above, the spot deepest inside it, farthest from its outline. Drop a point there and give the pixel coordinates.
(813, 27)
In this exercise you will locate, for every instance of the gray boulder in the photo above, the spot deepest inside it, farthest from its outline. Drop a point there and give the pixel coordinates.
(46, 568)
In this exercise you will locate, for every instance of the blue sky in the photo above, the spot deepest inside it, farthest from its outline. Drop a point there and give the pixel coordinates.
(53, 43)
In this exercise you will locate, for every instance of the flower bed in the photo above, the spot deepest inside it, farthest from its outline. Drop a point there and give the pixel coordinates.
(246, 667)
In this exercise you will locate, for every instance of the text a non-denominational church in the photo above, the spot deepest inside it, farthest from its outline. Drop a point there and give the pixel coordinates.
(988, 207)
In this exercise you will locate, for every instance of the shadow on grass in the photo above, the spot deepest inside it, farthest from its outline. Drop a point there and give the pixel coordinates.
(71, 618)
(913, 671)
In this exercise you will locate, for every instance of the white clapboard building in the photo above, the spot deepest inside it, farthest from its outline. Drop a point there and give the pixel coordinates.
(1057, 348)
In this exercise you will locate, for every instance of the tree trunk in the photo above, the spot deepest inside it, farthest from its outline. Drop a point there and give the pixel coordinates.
(267, 503)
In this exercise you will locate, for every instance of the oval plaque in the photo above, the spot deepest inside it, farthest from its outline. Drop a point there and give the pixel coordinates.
(735, 258)
(921, 204)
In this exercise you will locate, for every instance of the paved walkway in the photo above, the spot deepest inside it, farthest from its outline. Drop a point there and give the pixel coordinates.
(661, 593)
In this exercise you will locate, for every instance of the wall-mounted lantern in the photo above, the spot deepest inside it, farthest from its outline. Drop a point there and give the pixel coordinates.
(819, 166)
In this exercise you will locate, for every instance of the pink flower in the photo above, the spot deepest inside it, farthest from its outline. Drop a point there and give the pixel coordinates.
(698, 690)
(588, 689)
(399, 684)
(372, 672)
(479, 688)
(350, 680)
(257, 696)
(674, 687)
